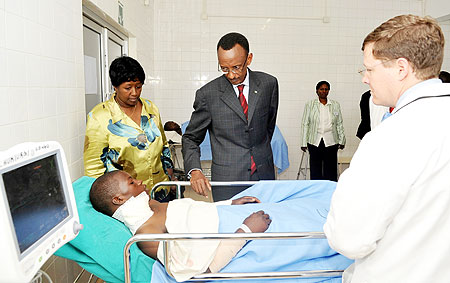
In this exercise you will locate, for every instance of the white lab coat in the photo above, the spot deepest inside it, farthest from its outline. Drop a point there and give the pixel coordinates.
(391, 207)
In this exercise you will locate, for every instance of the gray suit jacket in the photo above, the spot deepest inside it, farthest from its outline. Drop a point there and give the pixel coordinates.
(233, 138)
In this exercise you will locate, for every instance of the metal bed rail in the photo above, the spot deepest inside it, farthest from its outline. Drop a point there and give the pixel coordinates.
(224, 236)
(229, 276)
(179, 184)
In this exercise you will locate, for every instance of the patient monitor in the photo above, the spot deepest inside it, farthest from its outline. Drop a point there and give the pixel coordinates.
(37, 208)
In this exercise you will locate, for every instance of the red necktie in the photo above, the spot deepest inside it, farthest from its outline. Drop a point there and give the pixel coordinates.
(244, 105)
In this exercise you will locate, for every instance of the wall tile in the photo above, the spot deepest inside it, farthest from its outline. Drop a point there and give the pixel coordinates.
(32, 39)
(48, 67)
(50, 101)
(2, 28)
(39, 38)
(14, 36)
(63, 129)
(50, 268)
(18, 102)
(30, 10)
(5, 107)
(36, 131)
(46, 13)
(7, 142)
(60, 270)
(3, 68)
(20, 133)
(51, 128)
(299, 52)
(34, 73)
(14, 7)
(34, 104)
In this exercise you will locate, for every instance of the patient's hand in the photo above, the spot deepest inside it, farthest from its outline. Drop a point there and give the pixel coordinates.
(258, 222)
(244, 200)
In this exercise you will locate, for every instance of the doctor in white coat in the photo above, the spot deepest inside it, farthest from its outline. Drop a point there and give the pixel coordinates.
(391, 209)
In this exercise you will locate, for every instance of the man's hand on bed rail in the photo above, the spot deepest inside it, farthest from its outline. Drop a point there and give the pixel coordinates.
(199, 183)
(258, 222)
(244, 200)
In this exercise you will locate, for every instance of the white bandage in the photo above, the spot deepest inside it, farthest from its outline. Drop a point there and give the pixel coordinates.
(245, 228)
(225, 252)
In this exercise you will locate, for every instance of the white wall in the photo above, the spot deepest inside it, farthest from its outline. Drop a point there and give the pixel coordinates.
(42, 85)
(41, 71)
(437, 8)
(138, 25)
(446, 29)
(41, 75)
(42, 78)
(285, 42)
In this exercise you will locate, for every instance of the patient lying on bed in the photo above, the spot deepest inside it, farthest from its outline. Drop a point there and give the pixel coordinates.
(118, 195)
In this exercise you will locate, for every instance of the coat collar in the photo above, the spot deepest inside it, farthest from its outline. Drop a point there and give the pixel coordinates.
(117, 114)
(228, 95)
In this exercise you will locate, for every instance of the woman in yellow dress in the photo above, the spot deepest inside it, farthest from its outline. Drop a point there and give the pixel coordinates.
(126, 131)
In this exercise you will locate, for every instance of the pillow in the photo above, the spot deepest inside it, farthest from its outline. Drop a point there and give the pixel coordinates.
(98, 248)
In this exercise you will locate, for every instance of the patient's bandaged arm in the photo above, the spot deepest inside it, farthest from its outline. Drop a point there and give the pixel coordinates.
(226, 250)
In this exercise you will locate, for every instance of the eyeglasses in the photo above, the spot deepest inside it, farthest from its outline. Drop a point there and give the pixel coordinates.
(234, 69)
(364, 69)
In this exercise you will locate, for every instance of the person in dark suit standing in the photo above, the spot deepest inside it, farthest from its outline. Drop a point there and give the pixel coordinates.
(364, 125)
(239, 109)
(444, 76)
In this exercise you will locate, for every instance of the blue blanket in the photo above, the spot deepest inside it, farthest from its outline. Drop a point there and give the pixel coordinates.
(294, 206)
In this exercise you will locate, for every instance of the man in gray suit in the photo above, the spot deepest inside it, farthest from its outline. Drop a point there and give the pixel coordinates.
(239, 109)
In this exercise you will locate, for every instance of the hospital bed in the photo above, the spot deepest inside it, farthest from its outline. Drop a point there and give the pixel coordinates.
(319, 264)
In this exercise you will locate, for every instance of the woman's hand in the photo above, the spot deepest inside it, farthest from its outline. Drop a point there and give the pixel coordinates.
(244, 200)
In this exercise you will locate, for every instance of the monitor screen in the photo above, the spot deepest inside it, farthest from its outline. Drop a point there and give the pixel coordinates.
(36, 199)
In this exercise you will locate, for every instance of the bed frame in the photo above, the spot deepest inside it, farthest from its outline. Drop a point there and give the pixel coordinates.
(224, 236)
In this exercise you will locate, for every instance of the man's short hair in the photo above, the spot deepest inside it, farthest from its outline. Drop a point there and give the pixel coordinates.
(319, 84)
(102, 191)
(229, 40)
(125, 69)
(418, 39)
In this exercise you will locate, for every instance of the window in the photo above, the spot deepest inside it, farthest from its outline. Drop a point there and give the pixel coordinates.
(101, 45)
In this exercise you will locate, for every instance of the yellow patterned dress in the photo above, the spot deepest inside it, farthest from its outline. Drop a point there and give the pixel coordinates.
(114, 141)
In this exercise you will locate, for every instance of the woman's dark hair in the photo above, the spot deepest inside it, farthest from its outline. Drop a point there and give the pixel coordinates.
(229, 40)
(319, 84)
(125, 69)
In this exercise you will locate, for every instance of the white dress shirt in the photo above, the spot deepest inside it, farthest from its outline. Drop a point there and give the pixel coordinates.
(246, 89)
(325, 129)
(391, 207)
(376, 113)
